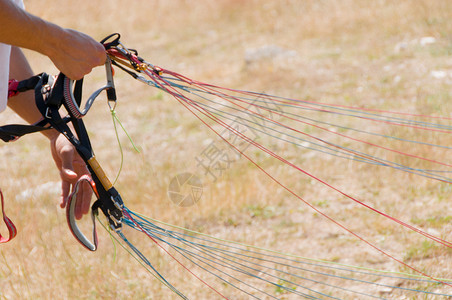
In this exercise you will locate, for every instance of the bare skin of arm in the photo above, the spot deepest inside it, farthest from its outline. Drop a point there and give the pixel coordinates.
(68, 162)
(74, 54)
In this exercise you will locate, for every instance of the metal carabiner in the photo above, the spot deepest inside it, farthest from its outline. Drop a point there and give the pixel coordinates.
(108, 200)
(70, 216)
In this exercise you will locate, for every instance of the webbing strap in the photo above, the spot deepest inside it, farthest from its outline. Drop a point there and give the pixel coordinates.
(15, 87)
(9, 224)
(10, 133)
(12, 88)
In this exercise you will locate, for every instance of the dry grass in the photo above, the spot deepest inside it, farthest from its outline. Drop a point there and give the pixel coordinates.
(365, 53)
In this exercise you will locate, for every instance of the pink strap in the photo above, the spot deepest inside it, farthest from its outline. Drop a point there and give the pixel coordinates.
(11, 228)
(12, 88)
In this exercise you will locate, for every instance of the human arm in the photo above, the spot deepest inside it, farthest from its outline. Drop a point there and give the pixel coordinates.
(70, 165)
(72, 52)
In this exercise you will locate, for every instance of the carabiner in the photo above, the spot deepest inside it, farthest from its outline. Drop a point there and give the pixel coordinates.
(70, 216)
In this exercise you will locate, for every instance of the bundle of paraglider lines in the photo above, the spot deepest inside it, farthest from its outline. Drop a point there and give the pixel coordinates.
(255, 272)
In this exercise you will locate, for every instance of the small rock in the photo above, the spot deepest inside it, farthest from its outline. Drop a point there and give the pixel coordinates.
(400, 47)
(438, 74)
(267, 52)
(427, 40)
(385, 290)
(433, 232)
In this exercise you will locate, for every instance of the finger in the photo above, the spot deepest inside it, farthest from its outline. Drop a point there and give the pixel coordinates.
(78, 203)
(80, 200)
(67, 169)
(87, 195)
(85, 192)
(65, 189)
(85, 200)
(79, 73)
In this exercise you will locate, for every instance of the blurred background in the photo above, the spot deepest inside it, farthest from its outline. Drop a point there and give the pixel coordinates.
(376, 54)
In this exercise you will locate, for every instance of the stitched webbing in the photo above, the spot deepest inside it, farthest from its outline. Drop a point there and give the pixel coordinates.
(9, 224)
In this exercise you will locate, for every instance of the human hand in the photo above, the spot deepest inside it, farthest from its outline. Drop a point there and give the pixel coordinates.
(76, 54)
(71, 167)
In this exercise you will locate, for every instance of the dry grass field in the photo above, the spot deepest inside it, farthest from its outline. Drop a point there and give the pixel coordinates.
(391, 55)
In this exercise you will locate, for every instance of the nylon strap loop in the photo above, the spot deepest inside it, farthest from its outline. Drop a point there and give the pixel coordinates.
(9, 224)
(12, 88)
(15, 87)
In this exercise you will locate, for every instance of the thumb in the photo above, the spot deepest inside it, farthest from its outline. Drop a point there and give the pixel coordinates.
(67, 168)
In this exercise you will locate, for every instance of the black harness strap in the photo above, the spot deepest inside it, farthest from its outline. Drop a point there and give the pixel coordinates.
(28, 84)
(50, 95)
(10, 133)
(49, 104)
(15, 87)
